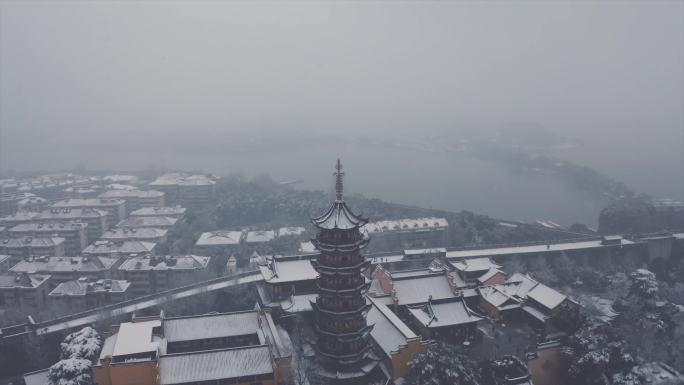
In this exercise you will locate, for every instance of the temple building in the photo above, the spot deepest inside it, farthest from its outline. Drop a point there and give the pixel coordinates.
(340, 309)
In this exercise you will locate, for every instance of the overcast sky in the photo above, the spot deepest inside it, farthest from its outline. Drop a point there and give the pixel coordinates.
(609, 71)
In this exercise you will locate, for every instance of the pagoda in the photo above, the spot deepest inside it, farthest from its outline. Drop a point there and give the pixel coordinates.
(343, 345)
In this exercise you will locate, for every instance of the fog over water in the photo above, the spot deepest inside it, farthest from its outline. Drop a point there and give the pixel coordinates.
(128, 85)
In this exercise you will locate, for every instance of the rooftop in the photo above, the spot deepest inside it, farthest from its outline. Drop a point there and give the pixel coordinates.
(64, 264)
(211, 326)
(86, 202)
(136, 338)
(338, 216)
(22, 280)
(288, 270)
(134, 233)
(439, 314)
(417, 290)
(70, 213)
(32, 242)
(389, 332)
(219, 238)
(47, 227)
(475, 264)
(81, 287)
(215, 365)
(180, 262)
(125, 247)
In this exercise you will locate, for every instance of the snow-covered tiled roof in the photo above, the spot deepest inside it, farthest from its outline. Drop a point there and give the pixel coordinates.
(489, 274)
(452, 313)
(214, 365)
(211, 326)
(475, 264)
(279, 271)
(497, 295)
(389, 332)
(338, 216)
(22, 280)
(546, 296)
(298, 303)
(418, 290)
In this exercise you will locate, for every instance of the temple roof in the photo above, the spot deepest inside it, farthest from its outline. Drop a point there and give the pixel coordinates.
(339, 216)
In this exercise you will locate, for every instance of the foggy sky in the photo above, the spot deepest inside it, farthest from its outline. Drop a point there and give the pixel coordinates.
(75, 73)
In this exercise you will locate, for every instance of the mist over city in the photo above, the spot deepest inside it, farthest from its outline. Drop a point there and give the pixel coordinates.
(501, 183)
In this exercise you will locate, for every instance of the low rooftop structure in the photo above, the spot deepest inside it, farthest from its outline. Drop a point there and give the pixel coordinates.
(475, 265)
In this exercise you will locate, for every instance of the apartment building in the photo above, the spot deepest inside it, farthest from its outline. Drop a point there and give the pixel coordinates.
(116, 208)
(74, 233)
(150, 273)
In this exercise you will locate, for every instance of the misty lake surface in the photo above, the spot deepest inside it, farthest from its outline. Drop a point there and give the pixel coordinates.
(428, 179)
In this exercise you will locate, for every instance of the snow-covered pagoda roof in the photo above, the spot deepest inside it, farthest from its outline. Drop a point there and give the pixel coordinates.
(338, 215)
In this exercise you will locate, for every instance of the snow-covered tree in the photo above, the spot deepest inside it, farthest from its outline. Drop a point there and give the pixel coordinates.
(442, 364)
(78, 351)
(643, 284)
(85, 343)
(70, 371)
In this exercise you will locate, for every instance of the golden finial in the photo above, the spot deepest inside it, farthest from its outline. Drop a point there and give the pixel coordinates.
(339, 188)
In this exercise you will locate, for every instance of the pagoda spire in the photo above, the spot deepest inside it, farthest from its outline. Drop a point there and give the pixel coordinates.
(339, 186)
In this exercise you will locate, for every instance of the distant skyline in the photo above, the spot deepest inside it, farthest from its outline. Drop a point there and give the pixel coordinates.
(76, 74)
